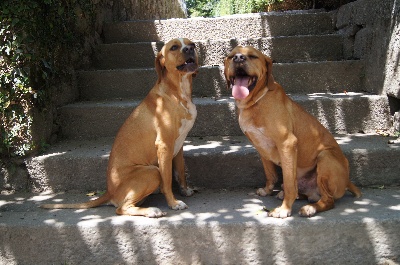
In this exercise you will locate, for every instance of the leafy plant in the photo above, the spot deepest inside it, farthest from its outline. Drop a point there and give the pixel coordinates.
(228, 7)
(36, 37)
(201, 8)
(214, 8)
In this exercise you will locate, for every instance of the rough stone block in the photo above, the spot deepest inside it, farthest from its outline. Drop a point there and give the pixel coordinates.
(344, 16)
(362, 43)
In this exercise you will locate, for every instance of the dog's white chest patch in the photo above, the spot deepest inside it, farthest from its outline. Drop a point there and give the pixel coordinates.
(257, 135)
(264, 145)
(188, 121)
(186, 126)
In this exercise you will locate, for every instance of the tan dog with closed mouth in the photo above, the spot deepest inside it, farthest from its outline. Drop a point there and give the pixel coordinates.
(285, 134)
(148, 146)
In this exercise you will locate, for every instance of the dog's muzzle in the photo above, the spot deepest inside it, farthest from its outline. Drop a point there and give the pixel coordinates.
(242, 84)
(190, 65)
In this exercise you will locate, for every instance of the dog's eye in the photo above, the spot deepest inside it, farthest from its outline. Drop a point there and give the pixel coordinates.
(253, 57)
(174, 48)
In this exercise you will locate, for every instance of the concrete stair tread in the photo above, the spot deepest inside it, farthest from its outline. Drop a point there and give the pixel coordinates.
(212, 52)
(195, 146)
(219, 227)
(212, 162)
(299, 77)
(207, 100)
(340, 112)
(252, 26)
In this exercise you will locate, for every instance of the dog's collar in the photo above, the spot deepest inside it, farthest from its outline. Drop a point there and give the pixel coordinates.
(253, 102)
(263, 94)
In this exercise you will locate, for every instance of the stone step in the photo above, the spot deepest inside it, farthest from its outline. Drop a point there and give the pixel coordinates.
(251, 26)
(212, 162)
(300, 77)
(219, 227)
(212, 52)
(340, 113)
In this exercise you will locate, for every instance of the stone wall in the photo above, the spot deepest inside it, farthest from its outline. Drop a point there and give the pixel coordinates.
(372, 33)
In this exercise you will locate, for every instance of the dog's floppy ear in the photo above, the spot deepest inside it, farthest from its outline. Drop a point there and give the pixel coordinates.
(160, 66)
(270, 78)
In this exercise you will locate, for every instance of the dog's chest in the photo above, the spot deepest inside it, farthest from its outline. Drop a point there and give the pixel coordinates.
(186, 124)
(188, 119)
(257, 135)
(264, 144)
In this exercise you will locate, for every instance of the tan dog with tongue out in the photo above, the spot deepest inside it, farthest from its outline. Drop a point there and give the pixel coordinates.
(148, 147)
(284, 134)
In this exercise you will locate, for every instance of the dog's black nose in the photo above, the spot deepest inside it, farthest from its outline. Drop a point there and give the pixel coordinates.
(188, 49)
(239, 58)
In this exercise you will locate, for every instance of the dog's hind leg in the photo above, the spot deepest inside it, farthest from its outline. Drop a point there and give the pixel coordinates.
(141, 183)
(332, 180)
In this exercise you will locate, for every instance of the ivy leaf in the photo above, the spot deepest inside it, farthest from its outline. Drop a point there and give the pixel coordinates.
(14, 21)
(7, 50)
(60, 10)
(7, 103)
(46, 64)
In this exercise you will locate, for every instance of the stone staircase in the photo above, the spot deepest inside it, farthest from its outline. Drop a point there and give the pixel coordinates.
(310, 65)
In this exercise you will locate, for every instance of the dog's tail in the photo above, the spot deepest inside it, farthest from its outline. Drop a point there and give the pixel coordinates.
(354, 190)
(85, 205)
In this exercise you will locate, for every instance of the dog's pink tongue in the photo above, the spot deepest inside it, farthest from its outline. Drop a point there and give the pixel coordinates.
(239, 89)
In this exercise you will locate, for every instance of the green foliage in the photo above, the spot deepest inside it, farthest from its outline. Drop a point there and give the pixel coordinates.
(34, 38)
(214, 8)
(229, 7)
(201, 8)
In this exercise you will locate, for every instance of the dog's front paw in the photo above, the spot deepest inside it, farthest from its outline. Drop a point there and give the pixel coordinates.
(180, 205)
(280, 213)
(263, 192)
(187, 191)
(154, 212)
(308, 210)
